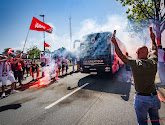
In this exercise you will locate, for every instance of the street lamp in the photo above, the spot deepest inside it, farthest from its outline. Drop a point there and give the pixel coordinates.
(43, 33)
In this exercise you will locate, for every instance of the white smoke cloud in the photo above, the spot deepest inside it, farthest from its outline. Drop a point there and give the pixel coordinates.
(114, 22)
(88, 26)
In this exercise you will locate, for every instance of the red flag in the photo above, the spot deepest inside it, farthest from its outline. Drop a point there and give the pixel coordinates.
(46, 45)
(40, 26)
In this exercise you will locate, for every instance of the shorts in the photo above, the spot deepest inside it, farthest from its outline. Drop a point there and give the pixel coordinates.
(59, 67)
(27, 68)
(33, 69)
(78, 62)
(43, 64)
(63, 66)
(8, 77)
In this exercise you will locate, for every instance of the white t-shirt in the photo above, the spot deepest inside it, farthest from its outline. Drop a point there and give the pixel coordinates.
(42, 59)
(48, 60)
(66, 61)
(78, 58)
(160, 55)
(28, 65)
(8, 71)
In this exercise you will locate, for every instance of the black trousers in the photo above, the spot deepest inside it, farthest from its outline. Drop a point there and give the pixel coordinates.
(23, 68)
(18, 74)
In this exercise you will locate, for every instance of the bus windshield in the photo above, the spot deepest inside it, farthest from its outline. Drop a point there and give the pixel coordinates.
(95, 45)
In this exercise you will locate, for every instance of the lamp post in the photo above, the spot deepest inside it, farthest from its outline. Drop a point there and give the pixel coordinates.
(70, 31)
(43, 33)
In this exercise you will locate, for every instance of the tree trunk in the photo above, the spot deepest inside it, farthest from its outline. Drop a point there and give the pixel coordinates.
(157, 21)
(158, 34)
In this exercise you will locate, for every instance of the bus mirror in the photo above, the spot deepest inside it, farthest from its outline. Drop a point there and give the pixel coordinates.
(109, 39)
(75, 43)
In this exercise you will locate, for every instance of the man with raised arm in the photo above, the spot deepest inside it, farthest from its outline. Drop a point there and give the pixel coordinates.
(144, 70)
(6, 74)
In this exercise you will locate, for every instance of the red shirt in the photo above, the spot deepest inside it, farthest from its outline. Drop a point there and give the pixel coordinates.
(18, 66)
(22, 63)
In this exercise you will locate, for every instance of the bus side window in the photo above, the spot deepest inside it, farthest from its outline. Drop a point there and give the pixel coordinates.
(112, 52)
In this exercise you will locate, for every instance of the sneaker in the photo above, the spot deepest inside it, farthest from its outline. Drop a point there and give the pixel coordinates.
(13, 92)
(128, 80)
(3, 95)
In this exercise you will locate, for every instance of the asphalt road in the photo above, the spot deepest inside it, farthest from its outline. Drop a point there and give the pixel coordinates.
(92, 101)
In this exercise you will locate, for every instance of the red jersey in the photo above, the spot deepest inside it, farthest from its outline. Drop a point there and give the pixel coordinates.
(18, 66)
(22, 63)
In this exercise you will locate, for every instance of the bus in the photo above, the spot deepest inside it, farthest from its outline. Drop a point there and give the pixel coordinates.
(97, 54)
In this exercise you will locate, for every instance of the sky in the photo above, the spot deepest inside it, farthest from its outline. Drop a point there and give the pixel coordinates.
(87, 16)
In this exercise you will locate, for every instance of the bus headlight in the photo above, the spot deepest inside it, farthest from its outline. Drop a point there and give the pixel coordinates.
(107, 69)
(81, 69)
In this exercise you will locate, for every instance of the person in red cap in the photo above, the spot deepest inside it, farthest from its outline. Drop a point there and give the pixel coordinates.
(6, 74)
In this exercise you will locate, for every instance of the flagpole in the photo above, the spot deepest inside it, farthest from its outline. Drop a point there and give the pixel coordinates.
(26, 39)
(70, 32)
(43, 33)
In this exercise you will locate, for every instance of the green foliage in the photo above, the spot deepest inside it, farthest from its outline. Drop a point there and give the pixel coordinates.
(62, 49)
(143, 11)
(5, 51)
(47, 51)
(35, 52)
(18, 51)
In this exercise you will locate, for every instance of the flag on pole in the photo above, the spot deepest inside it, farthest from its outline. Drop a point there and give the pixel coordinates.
(46, 45)
(40, 26)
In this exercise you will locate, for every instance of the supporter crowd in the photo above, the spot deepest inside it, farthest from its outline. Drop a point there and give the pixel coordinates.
(16, 68)
(13, 68)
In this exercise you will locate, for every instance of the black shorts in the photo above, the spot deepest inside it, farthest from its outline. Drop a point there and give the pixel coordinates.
(78, 62)
(34, 68)
(43, 64)
(63, 66)
(27, 68)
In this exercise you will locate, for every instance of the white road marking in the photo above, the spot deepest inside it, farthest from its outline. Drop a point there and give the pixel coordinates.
(56, 102)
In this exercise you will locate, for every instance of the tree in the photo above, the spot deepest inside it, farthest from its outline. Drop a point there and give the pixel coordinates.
(47, 51)
(146, 12)
(137, 29)
(5, 51)
(62, 52)
(18, 51)
(35, 52)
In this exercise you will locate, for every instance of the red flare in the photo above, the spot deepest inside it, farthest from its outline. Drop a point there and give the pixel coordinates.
(151, 28)
(160, 97)
(56, 77)
(42, 81)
